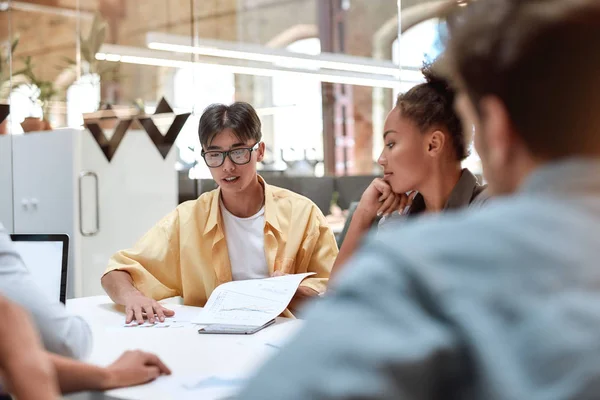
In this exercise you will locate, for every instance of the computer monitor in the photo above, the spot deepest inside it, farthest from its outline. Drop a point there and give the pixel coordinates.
(47, 258)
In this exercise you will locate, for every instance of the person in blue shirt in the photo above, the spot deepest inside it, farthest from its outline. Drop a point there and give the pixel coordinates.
(502, 302)
(62, 333)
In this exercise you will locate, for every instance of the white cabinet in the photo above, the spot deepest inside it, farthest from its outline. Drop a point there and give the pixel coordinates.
(64, 184)
(43, 184)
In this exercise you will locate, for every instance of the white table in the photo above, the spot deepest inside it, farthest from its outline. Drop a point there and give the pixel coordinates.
(186, 352)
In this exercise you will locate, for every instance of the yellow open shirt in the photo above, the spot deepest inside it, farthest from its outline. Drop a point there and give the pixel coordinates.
(185, 254)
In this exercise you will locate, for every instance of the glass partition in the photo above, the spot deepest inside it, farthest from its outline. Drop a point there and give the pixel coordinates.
(97, 85)
(7, 49)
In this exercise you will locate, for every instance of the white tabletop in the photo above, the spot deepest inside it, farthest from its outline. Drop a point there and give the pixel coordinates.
(187, 353)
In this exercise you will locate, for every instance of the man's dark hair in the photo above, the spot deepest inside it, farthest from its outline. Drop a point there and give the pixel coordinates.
(541, 58)
(431, 105)
(240, 117)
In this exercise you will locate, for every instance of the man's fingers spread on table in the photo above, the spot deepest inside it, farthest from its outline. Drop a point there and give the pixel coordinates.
(159, 312)
(149, 310)
(139, 317)
(166, 311)
(128, 315)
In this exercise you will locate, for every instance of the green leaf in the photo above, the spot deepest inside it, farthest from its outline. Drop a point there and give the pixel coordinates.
(99, 39)
(68, 61)
(21, 71)
(96, 23)
(84, 46)
(14, 45)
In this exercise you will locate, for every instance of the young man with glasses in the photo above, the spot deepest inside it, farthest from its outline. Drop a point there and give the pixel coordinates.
(245, 229)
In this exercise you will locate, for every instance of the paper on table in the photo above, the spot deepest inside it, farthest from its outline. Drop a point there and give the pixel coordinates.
(169, 323)
(251, 302)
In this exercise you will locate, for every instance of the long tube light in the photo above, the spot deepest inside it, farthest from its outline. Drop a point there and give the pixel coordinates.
(323, 61)
(39, 8)
(280, 57)
(141, 56)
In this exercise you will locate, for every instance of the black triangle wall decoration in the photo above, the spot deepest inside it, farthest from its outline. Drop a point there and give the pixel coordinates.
(109, 147)
(163, 107)
(164, 143)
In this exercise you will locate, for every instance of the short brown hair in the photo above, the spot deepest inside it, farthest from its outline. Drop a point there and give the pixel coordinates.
(541, 58)
(240, 117)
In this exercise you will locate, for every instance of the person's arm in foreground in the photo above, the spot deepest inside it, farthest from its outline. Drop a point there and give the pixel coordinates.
(132, 368)
(24, 366)
(32, 373)
(374, 337)
(61, 332)
(377, 200)
(138, 277)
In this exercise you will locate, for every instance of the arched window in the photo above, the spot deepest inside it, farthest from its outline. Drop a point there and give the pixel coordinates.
(297, 114)
(195, 88)
(421, 44)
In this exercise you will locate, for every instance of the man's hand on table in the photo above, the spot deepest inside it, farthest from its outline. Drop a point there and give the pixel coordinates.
(134, 368)
(136, 305)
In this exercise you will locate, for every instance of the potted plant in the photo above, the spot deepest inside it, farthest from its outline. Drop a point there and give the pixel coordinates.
(90, 45)
(42, 94)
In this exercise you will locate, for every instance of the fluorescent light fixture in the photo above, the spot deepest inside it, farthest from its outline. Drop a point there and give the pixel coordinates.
(280, 57)
(141, 56)
(26, 6)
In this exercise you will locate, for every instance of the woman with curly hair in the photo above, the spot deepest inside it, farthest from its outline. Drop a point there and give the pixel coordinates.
(424, 147)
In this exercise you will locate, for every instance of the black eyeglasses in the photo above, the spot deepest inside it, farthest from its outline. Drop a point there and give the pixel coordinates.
(238, 156)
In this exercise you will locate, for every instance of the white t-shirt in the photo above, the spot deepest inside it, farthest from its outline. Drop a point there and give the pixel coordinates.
(246, 245)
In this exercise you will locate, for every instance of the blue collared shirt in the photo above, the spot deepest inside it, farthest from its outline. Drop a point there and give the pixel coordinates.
(502, 302)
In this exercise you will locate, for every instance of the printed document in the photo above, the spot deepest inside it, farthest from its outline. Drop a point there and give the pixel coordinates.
(251, 302)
